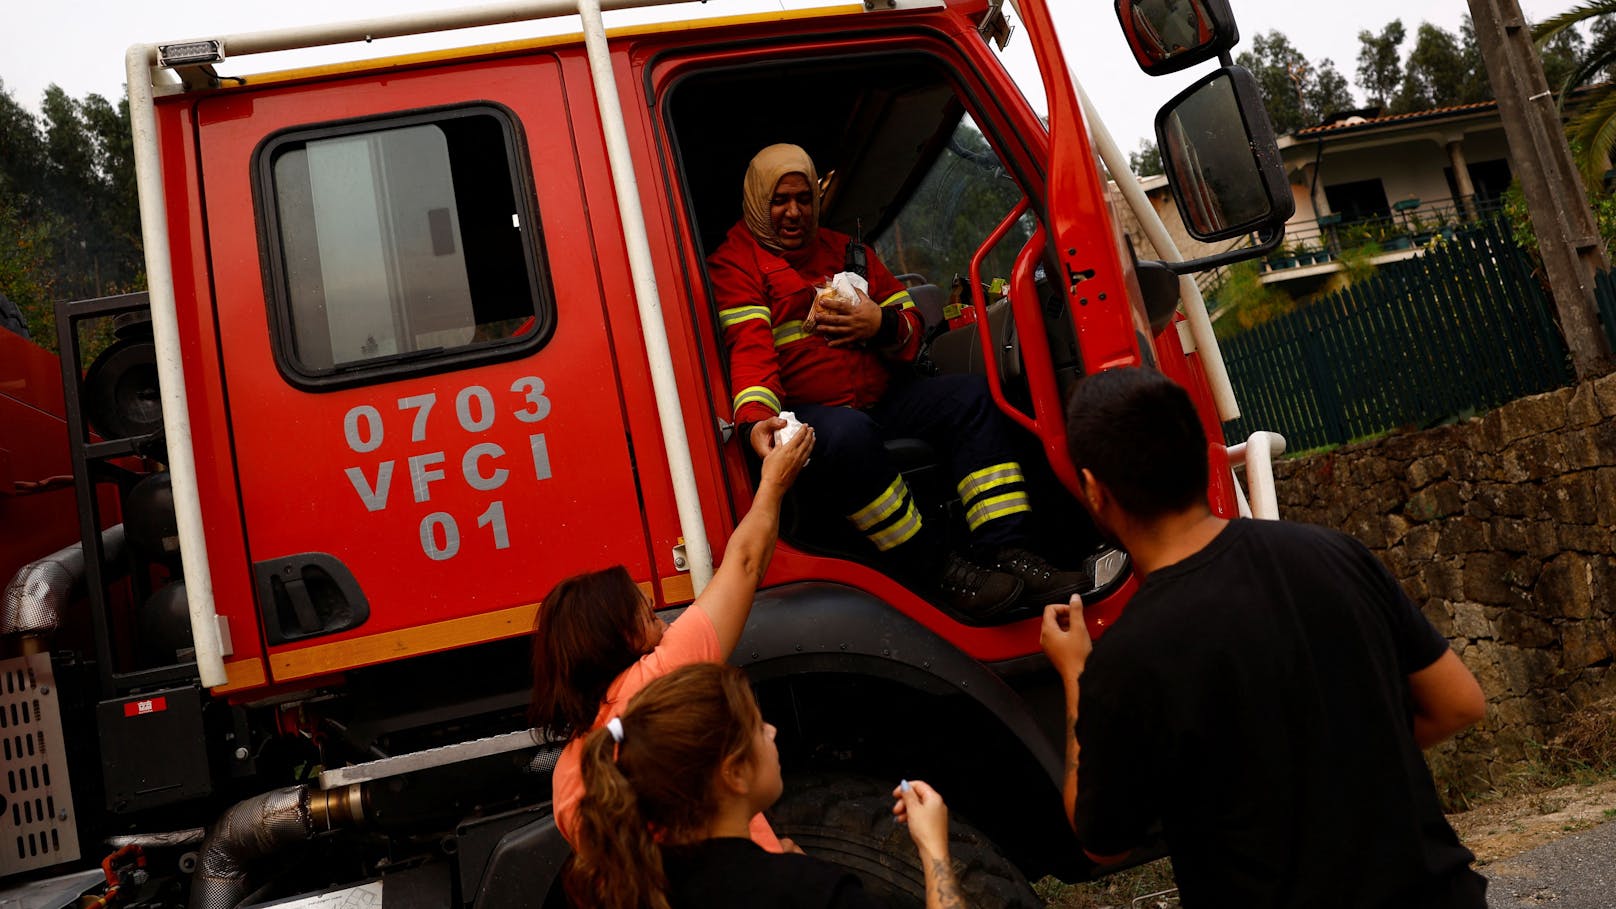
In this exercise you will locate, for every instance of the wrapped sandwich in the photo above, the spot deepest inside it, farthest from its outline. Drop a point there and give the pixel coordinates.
(845, 287)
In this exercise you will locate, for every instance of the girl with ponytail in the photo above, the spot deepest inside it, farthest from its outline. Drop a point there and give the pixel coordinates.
(597, 639)
(669, 788)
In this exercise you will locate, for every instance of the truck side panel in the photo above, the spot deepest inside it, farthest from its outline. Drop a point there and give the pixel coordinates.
(513, 471)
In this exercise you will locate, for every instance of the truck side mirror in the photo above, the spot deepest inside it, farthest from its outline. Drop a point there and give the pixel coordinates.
(1170, 35)
(1221, 159)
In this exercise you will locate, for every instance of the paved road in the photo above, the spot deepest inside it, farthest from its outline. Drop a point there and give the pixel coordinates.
(1574, 872)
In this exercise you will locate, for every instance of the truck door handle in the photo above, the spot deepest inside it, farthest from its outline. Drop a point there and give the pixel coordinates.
(307, 595)
(990, 358)
(1047, 423)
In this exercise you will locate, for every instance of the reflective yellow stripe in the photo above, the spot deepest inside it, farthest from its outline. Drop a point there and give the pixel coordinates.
(881, 507)
(788, 332)
(898, 533)
(988, 478)
(760, 395)
(729, 318)
(901, 299)
(996, 507)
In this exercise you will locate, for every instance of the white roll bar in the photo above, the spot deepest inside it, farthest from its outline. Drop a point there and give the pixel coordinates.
(170, 369)
(687, 497)
(1257, 455)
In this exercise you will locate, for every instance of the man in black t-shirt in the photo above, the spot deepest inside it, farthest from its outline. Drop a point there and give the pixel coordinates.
(1263, 698)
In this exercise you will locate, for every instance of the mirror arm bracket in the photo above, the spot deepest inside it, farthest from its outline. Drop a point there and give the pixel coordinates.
(1266, 243)
(994, 26)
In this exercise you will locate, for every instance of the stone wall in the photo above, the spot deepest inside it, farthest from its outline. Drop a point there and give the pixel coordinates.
(1502, 528)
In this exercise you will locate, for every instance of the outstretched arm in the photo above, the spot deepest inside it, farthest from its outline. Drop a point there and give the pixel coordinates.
(727, 600)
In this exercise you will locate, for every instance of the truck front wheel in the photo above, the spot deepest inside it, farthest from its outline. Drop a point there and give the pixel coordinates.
(847, 821)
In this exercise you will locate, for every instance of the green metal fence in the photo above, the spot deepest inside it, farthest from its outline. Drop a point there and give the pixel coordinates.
(1605, 296)
(1464, 326)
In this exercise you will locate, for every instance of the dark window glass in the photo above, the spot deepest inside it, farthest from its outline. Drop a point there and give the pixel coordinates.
(1360, 200)
(402, 240)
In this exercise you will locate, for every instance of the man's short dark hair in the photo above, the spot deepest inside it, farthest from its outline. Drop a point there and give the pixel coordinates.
(1138, 432)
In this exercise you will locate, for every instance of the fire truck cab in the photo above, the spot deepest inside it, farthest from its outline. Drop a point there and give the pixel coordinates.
(433, 332)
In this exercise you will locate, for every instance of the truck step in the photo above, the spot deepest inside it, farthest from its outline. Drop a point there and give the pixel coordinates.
(400, 764)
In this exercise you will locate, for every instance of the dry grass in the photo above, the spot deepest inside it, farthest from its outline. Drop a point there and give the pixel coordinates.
(1115, 891)
(1587, 741)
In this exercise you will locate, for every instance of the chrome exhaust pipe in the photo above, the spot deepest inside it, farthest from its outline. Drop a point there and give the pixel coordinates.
(260, 827)
(39, 593)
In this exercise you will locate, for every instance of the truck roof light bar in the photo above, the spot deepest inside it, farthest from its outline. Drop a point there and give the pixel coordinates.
(190, 53)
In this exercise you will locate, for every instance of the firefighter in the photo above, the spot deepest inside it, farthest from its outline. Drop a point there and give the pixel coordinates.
(847, 374)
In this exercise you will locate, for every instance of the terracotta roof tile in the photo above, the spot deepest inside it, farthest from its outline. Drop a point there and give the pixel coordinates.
(1371, 123)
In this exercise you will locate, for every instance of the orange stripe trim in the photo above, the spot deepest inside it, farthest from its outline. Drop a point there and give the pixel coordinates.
(354, 652)
(242, 674)
(408, 642)
(678, 589)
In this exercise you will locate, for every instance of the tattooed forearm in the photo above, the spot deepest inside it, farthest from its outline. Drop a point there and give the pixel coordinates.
(942, 890)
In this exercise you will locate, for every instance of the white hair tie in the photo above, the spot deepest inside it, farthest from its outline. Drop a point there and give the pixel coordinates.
(615, 727)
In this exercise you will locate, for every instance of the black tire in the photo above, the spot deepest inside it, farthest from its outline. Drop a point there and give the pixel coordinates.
(847, 821)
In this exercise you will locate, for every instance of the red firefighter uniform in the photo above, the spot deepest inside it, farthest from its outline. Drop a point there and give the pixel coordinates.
(858, 396)
(763, 298)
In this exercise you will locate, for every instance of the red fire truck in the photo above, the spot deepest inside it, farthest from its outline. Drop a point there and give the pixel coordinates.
(425, 334)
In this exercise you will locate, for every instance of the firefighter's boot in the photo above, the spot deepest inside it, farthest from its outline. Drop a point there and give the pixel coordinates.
(974, 592)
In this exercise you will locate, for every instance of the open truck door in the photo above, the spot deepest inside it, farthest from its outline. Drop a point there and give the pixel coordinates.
(1218, 120)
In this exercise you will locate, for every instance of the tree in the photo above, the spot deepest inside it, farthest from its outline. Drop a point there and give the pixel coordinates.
(1295, 92)
(1441, 71)
(25, 266)
(1328, 92)
(22, 148)
(69, 219)
(1604, 34)
(1592, 126)
(1476, 87)
(1562, 55)
(1147, 161)
(1380, 62)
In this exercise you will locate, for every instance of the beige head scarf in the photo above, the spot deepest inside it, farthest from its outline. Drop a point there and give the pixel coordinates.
(762, 175)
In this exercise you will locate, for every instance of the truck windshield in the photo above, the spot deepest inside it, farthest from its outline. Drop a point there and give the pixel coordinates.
(962, 198)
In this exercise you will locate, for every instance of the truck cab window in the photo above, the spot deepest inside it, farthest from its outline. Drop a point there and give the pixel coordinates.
(963, 196)
(401, 240)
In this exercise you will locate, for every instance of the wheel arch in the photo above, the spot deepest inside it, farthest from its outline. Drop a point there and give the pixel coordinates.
(964, 724)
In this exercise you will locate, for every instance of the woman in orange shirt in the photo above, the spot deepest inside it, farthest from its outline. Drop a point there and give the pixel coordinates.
(597, 640)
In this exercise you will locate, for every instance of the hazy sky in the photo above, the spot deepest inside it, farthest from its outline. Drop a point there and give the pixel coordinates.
(79, 45)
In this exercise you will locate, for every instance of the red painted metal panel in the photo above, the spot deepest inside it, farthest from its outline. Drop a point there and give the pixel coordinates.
(353, 472)
(34, 520)
(198, 331)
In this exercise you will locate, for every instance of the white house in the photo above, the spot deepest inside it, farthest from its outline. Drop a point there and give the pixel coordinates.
(1398, 179)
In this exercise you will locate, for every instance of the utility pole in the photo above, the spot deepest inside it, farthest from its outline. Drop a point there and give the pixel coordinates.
(1567, 236)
